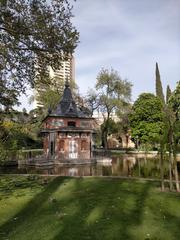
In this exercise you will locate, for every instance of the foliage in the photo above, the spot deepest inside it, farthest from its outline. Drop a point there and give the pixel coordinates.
(168, 94)
(169, 140)
(146, 119)
(174, 101)
(91, 100)
(8, 96)
(48, 99)
(17, 130)
(159, 89)
(113, 91)
(113, 97)
(123, 114)
(16, 135)
(34, 35)
(3, 153)
(113, 126)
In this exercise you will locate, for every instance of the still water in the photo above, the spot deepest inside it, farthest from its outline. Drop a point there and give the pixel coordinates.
(119, 166)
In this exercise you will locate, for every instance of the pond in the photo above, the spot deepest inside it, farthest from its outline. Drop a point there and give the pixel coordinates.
(121, 165)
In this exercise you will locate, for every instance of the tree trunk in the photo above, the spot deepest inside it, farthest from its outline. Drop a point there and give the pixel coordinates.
(102, 139)
(174, 151)
(162, 168)
(170, 169)
(171, 159)
(176, 173)
(105, 140)
(106, 128)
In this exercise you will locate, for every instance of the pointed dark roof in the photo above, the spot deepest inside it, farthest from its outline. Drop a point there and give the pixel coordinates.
(67, 106)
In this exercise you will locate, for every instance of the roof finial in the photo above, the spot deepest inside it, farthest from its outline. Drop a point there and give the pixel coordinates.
(67, 82)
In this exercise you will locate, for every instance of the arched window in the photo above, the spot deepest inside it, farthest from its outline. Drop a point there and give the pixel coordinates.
(84, 145)
(61, 146)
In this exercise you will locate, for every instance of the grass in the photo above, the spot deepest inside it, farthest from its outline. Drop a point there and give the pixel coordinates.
(86, 208)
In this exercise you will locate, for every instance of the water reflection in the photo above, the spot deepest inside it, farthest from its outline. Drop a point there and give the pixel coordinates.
(137, 167)
(123, 165)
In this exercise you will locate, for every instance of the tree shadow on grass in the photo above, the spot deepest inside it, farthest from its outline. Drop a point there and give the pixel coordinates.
(170, 223)
(30, 210)
(90, 208)
(167, 214)
(107, 209)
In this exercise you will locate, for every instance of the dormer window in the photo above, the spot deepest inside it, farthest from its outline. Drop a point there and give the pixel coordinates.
(71, 124)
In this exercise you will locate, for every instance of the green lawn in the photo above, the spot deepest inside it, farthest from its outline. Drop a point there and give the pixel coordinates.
(89, 208)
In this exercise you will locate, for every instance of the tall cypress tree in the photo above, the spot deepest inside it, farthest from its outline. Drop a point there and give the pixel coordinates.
(160, 95)
(168, 93)
(159, 89)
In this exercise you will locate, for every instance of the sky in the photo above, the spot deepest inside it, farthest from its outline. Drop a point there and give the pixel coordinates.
(129, 36)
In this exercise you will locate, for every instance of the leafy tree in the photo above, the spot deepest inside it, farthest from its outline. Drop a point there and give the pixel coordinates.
(47, 94)
(159, 93)
(174, 130)
(159, 89)
(147, 125)
(92, 101)
(34, 35)
(113, 126)
(168, 93)
(8, 96)
(17, 132)
(146, 119)
(174, 101)
(166, 119)
(48, 99)
(169, 139)
(113, 94)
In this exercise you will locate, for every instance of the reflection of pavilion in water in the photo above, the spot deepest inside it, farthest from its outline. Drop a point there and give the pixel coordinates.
(122, 167)
(83, 170)
(66, 170)
(127, 166)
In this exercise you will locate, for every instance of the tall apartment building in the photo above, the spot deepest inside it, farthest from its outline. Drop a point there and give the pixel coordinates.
(66, 71)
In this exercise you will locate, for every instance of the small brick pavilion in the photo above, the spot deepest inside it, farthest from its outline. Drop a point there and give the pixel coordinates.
(68, 131)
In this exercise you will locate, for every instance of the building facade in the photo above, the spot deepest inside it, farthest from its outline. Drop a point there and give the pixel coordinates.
(66, 71)
(68, 132)
(58, 78)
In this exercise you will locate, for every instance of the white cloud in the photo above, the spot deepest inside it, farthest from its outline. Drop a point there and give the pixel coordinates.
(129, 36)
